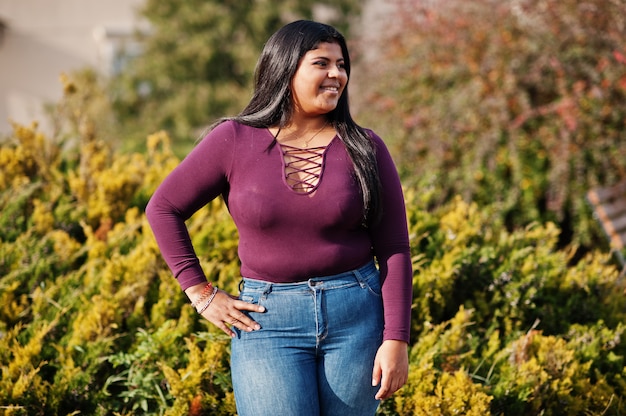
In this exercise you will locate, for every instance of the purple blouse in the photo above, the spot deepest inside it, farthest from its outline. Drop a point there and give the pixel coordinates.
(284, 235)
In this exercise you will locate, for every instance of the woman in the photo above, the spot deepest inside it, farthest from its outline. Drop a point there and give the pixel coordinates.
(321, 325)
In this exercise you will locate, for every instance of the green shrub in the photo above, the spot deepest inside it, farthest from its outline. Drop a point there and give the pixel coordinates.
(92, 322)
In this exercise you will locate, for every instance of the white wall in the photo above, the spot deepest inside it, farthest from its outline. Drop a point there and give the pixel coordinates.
(44, 38)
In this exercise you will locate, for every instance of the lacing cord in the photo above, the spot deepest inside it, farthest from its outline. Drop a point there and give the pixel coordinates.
(303, 167)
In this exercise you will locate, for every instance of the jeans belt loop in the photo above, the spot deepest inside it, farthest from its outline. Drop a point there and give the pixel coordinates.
(359, 277)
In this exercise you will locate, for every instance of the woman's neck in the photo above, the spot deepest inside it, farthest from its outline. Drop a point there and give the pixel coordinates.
(305, 132)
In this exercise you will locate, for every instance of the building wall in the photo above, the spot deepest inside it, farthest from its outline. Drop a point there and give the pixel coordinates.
(44, 38)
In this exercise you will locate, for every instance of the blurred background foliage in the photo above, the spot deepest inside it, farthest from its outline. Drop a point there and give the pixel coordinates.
(517, 104)
(500, 116)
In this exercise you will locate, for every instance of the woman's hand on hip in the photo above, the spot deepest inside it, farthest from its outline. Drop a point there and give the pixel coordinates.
(226, 311)
(391, 368)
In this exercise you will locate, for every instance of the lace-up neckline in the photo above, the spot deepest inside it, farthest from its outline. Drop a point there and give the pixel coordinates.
(303, 167)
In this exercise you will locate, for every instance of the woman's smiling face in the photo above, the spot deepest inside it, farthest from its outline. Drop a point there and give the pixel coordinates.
(319, 80)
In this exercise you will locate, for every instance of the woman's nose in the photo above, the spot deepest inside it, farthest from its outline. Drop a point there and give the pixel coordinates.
(334, 72)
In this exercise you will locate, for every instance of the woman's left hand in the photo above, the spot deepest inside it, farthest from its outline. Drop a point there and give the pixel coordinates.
(391, 368)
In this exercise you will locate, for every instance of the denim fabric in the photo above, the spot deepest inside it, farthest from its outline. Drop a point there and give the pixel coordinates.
(315, 351)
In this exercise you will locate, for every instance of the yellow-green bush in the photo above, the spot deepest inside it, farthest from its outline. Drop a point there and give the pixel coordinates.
(92, 322)
(536, 331)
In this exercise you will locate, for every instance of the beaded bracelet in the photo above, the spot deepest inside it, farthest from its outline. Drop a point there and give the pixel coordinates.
(208, 302)
(203, 295)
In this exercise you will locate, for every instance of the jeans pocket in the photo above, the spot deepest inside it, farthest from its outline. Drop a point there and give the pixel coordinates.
(372, 281)
(254, 295)
(248, 298)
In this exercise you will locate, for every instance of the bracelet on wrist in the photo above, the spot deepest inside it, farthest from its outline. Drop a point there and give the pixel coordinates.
(206, 292)
(208, 302)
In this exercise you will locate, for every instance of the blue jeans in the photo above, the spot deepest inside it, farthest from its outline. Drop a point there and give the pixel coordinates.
(314, 353)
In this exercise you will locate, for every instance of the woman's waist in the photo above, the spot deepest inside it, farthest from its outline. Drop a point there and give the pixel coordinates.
(337, 278)
(300, 267)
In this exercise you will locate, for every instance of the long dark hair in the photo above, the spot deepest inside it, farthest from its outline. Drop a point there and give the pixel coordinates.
(271, 103)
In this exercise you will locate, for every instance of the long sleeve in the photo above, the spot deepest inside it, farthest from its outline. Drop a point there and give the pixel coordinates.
(199, 178)
(392, 250)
